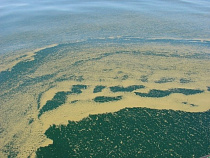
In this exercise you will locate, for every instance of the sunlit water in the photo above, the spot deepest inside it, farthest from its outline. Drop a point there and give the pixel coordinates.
(31, 24)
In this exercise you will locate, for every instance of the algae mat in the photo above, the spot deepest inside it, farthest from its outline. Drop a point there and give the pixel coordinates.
(75, 94)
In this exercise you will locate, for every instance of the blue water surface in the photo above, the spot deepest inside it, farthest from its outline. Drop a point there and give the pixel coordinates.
(28, 24)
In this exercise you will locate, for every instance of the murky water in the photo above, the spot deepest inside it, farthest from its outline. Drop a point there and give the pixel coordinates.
(71, 69)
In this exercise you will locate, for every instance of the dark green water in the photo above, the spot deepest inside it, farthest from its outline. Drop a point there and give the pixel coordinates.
(163, 93)
(126, 89)
(60, 98)
(103, 99)
(132, 132)
(98, 89)
(165, 80)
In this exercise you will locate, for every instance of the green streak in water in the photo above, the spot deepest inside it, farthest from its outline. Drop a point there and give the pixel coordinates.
(98, 89)
(163, 93)
(103, 99)
(126, 89)
(58, 100)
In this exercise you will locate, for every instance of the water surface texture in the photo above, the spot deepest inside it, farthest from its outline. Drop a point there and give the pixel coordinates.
(29, 24)
(104, 78)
